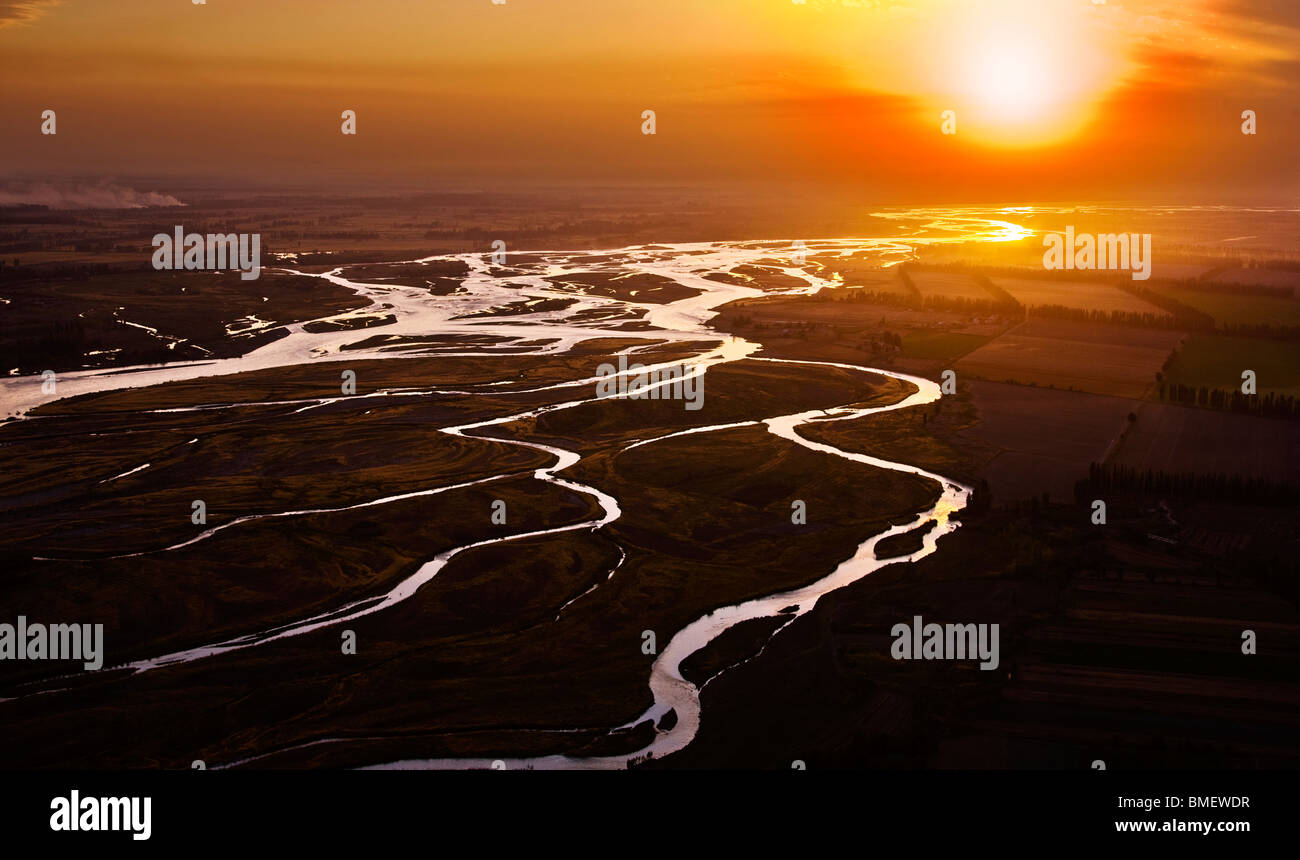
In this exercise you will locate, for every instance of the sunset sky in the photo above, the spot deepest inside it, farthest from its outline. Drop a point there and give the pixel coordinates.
(1054, 99)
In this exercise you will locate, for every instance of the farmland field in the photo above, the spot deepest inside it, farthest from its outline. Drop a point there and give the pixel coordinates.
(1183, 439)
(1095, 358)
(1238, 308)
(1074, 294)
(1217, 361)
(1112, 335)
(940, 345)
(1045, 439)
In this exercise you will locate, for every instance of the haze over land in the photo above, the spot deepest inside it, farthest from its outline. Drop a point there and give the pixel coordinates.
(1055, 99)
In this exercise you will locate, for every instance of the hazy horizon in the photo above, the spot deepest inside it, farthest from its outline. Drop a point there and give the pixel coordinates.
(1061, 99)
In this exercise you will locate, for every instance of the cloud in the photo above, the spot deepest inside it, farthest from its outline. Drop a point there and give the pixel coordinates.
(13, 12)
(101, 196)
(1285, 13)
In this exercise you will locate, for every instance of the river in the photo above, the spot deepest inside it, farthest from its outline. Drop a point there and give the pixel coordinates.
(684, 320)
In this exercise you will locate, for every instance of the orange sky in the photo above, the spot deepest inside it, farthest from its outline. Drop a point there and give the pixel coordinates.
(1054, 98)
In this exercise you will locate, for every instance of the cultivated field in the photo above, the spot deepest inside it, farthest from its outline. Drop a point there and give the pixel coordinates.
(940, 345)
(1109, 360)
(1217, 361)
(1238, 308)
(1046, 439)
(1183, 439)
(1074, 294)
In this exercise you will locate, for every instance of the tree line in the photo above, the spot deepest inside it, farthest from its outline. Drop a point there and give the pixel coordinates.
(1219, 486)
(1271, 404)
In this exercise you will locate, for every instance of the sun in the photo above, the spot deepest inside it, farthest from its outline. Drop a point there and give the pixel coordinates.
(1016, 93)
(1022, 74)
(1012, 82)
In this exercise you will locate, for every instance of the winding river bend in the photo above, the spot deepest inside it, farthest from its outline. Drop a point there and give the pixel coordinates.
(417, 312)
(671, 691)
